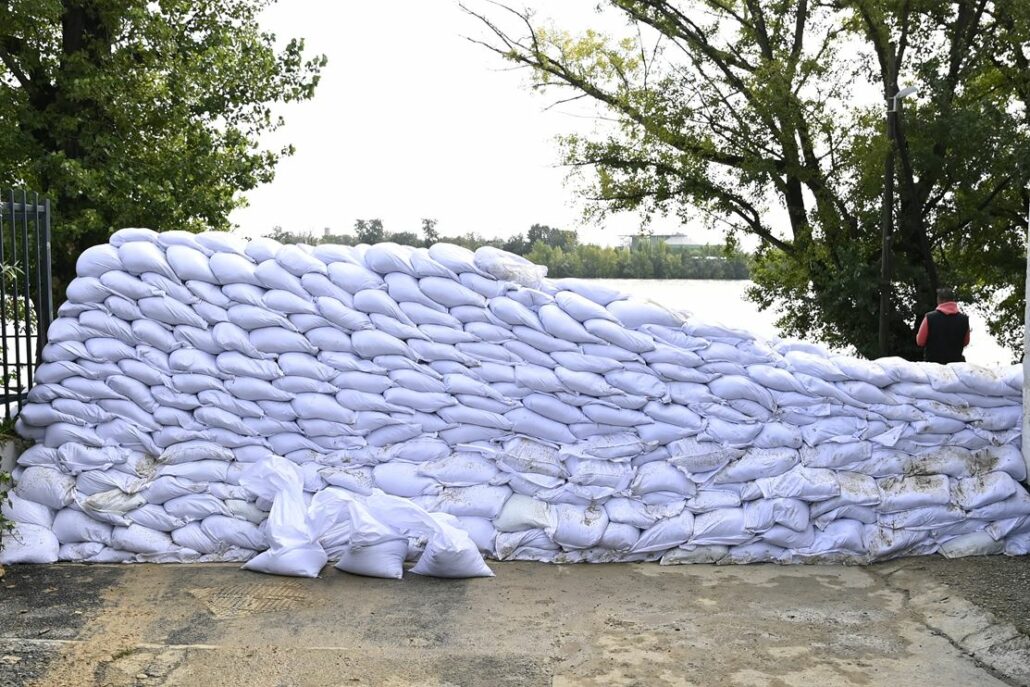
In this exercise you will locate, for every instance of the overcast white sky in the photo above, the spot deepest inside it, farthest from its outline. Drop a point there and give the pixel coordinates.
(411, 120)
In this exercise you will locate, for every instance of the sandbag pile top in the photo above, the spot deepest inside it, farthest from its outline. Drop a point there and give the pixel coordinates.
(550, 420)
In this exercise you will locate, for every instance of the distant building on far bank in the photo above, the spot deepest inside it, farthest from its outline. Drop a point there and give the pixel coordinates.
(672, 241)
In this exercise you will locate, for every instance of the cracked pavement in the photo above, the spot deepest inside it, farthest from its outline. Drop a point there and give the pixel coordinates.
(916, 621)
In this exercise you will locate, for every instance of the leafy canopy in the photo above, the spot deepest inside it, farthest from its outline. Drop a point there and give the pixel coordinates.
(141, 113)
(766, 119)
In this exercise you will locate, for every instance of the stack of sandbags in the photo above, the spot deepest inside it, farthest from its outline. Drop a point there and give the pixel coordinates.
(555, 420)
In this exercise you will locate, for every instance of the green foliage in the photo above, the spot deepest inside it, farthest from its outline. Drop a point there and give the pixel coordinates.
(6, 433)
(562, 253)
(137, 113)
(744, 114)
(5, 524)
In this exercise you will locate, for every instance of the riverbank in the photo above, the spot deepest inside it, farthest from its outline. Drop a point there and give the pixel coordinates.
(724, 301)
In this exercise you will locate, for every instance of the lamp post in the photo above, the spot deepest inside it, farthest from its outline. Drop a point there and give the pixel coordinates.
(887, 219)
(1026, 347)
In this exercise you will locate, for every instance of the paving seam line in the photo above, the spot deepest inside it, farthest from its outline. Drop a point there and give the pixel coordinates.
(958, 621)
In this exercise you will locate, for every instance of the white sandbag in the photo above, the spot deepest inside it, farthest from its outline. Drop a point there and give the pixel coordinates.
(586, 383)
(18, 509)
(696, 456)
(45, 486)
(138, 257)
(195, 507)
(189, 263)
(157, 518)
(139, 539)
(169, 487)
(455, 258)
(513, 313)
(485, 286)
(222, 242)
(369, 344)
(423, 265)
(758, 463)
(666, 534)
(633, 314)
(96, 261)
(558, 323)
(261, 249)
(723, 526)
(545, 342)
(385, 436)
(522, 513)
(171, 312)
(801, 482)
(96, 481)
(662, 477)
(530, 424)
(905, 493)
(383, 559)
(280, 340)
(197, 470)
(403, 479)
(617, 335)
(1016, 505)
(27, 543)
(983, 490)
(449, 293)
(79, 551)
(111, 506)
(387, 257)
(972, 544)
(506, 266)
(638, 383)
(450, 552)
(353, 278)
(292, 536)
(576, 527)
(197, 450)
(296, 261)
(428, 351)
(234, 532)
(483, 501)
(321, 406)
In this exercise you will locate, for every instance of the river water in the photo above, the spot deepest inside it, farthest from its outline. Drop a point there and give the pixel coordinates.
(723, 301)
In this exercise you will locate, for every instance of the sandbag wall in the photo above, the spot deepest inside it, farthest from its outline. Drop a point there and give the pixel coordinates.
(558, 420)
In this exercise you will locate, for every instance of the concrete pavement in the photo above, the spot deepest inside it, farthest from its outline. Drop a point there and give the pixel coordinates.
(902, 623)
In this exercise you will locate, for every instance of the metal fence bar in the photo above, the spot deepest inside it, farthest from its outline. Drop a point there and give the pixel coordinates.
(4, 358)
(29, 309)
(26, 300)
(14, 301)
(47, 291)
(39, 285)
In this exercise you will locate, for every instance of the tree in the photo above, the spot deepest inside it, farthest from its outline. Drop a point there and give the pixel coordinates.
(429, 231)
(405, 238)
(282, 236)
(369, 230)
(556, 238)
(136, 113)
(746, 111)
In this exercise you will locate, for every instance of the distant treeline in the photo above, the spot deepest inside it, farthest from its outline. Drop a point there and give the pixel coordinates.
(562, 253)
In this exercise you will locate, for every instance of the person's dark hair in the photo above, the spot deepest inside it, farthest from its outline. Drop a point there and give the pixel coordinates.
(945, 294)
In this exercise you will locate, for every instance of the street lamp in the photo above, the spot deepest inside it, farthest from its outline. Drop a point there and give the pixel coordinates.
(1026, 344)
(887, 221)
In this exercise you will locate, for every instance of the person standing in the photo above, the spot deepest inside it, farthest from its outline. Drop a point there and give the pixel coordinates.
(944, 332)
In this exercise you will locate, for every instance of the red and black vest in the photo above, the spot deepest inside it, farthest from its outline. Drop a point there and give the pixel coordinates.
(946, 336)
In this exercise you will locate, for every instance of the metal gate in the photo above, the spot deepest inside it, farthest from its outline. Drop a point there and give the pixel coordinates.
(26, 303)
